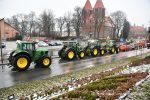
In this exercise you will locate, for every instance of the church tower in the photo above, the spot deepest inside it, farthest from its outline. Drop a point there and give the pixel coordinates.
(98, 15)
(99, 8)
(87, 10)
(87, 18)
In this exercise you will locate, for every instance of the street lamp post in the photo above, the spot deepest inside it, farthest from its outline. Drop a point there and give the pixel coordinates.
(1, 41)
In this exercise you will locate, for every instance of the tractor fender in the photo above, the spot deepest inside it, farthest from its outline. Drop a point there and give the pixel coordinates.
(23, 53)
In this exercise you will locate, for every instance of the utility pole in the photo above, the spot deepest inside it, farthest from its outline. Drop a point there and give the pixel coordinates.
(2, 22)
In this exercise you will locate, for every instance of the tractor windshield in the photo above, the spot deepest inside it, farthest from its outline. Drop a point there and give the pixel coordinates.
(29, 46)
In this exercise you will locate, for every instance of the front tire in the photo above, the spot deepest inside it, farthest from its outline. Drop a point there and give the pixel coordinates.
(45, 62)
(21, 62)
(81, 55)
(102, 52)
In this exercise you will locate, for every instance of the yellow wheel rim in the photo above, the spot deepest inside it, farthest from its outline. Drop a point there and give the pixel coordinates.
(95, 51)
(22, 62)
(70, 54)
(46, 61)
(82, 54)
(113, 50)
(102, 52)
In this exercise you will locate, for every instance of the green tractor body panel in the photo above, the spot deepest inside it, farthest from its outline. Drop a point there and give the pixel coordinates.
(38, 53)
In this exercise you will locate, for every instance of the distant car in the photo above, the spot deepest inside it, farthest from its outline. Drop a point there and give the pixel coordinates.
(3, 45)
(59, 43)
(52, 43)
(124, 47)
(55, 43)
(46, 41)
(42, 44)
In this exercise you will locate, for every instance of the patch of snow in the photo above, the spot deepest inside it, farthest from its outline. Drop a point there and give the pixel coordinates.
(141, 68)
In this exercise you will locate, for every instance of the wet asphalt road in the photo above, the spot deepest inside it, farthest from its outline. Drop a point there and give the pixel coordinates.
(9, 78)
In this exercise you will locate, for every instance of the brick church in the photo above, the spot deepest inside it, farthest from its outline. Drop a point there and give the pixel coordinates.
(95, 23)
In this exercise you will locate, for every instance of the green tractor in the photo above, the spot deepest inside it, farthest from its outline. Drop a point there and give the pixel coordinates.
(94, 48)
(25, 53)
(111, 47)
(71, 50)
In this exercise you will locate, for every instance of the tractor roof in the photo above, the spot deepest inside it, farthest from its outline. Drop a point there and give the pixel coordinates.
(19, 42)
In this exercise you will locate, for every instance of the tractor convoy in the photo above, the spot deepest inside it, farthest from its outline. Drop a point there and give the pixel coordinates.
(26, 52)
(93, 48)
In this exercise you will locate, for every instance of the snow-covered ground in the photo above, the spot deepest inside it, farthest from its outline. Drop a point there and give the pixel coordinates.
(141, 68)
(137, 92)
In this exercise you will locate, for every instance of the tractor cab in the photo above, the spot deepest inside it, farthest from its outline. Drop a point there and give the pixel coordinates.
(110, 43)
(70, 43)
(23, 46)
(94, 43)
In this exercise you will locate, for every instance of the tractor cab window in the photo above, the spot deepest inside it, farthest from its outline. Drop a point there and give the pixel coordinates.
(28, 47)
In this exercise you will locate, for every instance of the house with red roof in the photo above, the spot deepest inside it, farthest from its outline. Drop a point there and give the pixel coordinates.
(7, 31)
(106, 27)
(137, 31)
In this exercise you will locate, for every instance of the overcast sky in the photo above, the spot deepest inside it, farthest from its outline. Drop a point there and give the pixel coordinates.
(138, 11)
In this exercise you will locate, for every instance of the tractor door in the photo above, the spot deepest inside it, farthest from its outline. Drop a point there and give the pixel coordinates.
(30, 48)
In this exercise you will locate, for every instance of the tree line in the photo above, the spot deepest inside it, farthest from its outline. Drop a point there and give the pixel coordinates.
(46, 24)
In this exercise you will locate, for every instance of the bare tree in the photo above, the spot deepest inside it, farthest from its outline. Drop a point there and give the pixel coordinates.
(68, 23)
(77, 20)
(23, 23)
(118, 18)
(47, 22)
(60, 24)
(98, 17)
(32, 22)
(14, 22)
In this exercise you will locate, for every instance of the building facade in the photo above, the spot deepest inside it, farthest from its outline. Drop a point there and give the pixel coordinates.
(7, 31)
(95, 23)
(137, 31)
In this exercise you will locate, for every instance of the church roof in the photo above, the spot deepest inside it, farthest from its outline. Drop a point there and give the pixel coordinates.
(99, 4)
(87, 5)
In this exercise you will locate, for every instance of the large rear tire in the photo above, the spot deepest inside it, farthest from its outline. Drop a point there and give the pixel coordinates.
(70, 55)
(87, 50)
(10, 58)
(94, 52)
(21, 62)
